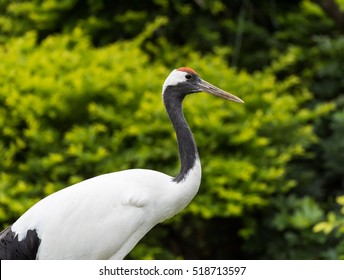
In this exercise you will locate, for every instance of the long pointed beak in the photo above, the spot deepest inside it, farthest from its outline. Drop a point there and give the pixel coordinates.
(209, 88)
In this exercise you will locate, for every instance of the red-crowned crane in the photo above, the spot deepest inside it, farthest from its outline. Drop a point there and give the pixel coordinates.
(105, 217)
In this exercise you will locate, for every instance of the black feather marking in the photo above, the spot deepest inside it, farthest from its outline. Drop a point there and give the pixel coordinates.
(12, 249)
(173, 98)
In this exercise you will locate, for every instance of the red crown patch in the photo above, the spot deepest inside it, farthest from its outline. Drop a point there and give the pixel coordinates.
(187, 69)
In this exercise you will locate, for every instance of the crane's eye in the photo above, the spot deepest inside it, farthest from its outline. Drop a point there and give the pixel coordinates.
(188, 76)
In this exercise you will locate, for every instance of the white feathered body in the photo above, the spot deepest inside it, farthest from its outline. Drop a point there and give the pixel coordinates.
(123, 205)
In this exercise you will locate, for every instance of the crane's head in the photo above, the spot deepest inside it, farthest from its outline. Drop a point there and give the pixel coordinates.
(185, 80)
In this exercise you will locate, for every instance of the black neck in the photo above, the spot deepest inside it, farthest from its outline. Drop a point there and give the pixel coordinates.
(186, 143)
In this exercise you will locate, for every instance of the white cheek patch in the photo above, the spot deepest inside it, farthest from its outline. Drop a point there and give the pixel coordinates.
(174, 78)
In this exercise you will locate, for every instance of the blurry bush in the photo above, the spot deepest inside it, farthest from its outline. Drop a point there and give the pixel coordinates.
(257, 31)
(69, 111)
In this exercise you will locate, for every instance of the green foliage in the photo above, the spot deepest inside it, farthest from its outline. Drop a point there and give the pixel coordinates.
(71, 111)
(320, 68)
(201, 25)
(333, 222)
(334, 225)
(319, 174)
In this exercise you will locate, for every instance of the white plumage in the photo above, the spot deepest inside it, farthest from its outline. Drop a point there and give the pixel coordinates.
(105, 216)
